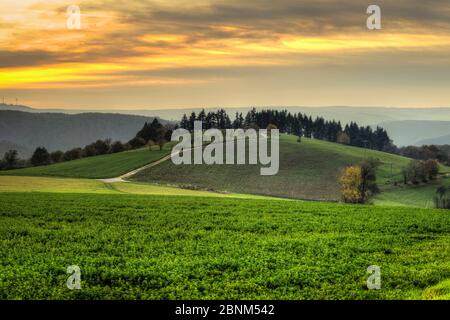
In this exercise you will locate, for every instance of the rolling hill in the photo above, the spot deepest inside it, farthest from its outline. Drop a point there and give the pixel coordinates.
(57, 131)
(444, 140)
(308, 170)
(104, 166)
(23, 152)
(417, 132)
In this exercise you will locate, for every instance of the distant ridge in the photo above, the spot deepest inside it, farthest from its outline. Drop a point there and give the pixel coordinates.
(418, 132)
(438, 141)
(345, 114)
(58, 131)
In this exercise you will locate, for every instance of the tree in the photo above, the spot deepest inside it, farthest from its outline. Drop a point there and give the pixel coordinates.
(350, 182)
(358, 182)
(431, 169)
(442, 198)
(117, 146)
(271, 127)
(420, 171)
(10, 159)
(161, 142)
(40, 157)
(184, 124)
(73, 154)
(368, 175)
(342, 138)
(57, 156)
(136, 143)
(150, 144)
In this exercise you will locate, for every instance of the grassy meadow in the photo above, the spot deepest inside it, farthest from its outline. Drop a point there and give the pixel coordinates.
(184, 247)
(104, 166)
(308, 170)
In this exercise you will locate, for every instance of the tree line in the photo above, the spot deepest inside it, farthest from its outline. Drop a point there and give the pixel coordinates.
(151, 134)
(297, 124)
(440, 153)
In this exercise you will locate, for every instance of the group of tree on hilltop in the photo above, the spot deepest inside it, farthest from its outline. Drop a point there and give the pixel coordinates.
(297, 124)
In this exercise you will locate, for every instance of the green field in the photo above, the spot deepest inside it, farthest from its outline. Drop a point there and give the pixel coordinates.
(70, 185)
(105, 166)
(157, 247)
(308, 170)
(412, 196)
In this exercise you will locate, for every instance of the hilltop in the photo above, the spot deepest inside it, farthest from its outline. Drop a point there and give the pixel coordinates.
(308, 170)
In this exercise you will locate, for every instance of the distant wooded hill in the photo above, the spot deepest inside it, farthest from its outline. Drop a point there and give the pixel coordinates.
(361, 115)
(413, 132)
(26, 131)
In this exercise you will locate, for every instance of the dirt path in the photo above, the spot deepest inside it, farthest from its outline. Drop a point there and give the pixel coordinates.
(125, 176)
(132, 173)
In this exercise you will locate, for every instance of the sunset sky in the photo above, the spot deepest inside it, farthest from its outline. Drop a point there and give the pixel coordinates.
(160, 54)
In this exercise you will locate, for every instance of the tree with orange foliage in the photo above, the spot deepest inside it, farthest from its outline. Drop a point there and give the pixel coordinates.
(351, 182)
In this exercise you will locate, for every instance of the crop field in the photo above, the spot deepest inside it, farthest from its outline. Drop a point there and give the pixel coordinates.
(179, 247)
(308, 170)
(105, 166)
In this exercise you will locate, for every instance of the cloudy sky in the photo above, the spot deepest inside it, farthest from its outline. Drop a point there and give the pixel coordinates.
(205, 53)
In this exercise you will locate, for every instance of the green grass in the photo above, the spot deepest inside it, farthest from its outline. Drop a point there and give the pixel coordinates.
(157, 247)
(441, 291)
(105, 166)
(413, 196)
(308, 170)
(71, 185)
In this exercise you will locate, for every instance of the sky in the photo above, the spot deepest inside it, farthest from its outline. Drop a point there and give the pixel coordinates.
(160, 54)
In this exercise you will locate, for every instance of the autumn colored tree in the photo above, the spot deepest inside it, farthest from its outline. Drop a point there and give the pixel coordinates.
(351, 181)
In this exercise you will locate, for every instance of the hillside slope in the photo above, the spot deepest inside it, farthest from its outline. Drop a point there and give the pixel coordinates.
(308, 170)
(57, 131)
(104, 166)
